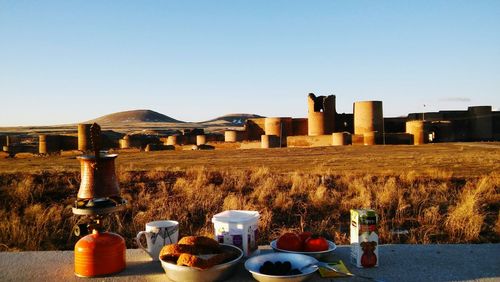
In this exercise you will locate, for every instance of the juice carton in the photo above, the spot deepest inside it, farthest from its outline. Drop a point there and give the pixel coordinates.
(364, 238)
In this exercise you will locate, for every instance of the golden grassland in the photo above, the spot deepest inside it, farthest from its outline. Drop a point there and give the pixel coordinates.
(439, 193)
(459, 159)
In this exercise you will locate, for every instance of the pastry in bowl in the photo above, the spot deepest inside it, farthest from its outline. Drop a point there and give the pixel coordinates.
(199, 259)
(199, 241)
(196, 251)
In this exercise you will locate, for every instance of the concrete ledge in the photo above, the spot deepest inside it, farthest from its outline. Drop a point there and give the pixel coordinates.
(397, 263)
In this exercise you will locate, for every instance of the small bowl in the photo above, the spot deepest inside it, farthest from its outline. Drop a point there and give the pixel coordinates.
(215, 273)
(306, 264)
(317, 255)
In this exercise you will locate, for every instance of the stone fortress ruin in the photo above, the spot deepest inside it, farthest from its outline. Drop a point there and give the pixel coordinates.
(367, 126)
(322, 127)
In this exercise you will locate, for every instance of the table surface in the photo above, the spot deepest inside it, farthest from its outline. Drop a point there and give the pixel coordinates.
(459, 262)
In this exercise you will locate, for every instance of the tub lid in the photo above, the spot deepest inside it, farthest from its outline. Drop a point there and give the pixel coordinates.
(236, 216)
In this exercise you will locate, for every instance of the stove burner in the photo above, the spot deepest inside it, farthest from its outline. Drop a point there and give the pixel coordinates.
(98, 206)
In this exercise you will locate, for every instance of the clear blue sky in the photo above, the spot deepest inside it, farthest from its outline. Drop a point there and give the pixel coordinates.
(71, 61)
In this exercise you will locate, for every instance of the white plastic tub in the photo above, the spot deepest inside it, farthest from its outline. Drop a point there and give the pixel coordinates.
(238, 228)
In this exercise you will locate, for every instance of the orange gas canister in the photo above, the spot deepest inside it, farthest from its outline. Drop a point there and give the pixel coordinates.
(99, 253)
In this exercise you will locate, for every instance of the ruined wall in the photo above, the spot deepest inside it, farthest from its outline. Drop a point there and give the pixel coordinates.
(11, 140)
(125, 143)
(368, 117)
(8, 140)
(357, 139)
(330, 112)
(255, 127)
(17, 139)
(214, 137)
(443, 131)
(269, 141)
(475, 124)
(187, 136)
(344, 123)
(231, 136)
(3, 140)
(316, 124)
(6, 143)
(460, 123)
(279, 126)
(157, 147)
(84, 142)
(189, 140)
(201, 140)
(234, 135)
(398, 139)
(419, 131)
(341, 139)
(309, 141)
(48, 144)
(142, 140)
(163, 140)
(373, 138)
(16, 148)
(395, 124)
(68, 142)
(496, 125)
(198, 139)
(250, 144)
(110, 139)
(299, 126)
(321, 114)
(272, 126)
(19, 143)
(172, 140)
(192, 131)
(429, 116)
(481, 123)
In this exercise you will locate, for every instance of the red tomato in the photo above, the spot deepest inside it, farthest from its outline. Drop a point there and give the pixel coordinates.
(304, 236)
(289, 242)
(316, 244)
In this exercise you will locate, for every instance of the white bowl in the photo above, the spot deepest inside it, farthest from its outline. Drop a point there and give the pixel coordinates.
(318, 255)
(306, 264)
(216, 273)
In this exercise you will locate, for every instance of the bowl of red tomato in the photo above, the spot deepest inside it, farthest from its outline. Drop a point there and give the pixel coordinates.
(305, 243)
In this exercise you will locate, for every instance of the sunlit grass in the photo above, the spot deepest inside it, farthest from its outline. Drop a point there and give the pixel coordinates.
(437, 204)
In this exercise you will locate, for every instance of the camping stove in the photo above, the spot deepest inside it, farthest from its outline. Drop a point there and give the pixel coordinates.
(99, 252)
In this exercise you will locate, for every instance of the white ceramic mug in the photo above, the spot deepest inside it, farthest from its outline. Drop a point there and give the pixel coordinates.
(158, 234)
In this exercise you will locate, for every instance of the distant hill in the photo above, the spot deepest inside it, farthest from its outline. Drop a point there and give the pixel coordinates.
(231, 119)
(133, 117)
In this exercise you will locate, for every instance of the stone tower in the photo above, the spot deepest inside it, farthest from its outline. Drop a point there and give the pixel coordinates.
(321, 114)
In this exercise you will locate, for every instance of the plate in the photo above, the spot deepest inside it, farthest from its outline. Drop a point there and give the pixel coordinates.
(318, 255)
(306, 264)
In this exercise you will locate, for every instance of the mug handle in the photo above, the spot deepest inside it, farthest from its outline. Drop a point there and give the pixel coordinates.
(138, 240)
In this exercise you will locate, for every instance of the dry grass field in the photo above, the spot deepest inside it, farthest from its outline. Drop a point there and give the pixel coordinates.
(444, 193)
(458, 159)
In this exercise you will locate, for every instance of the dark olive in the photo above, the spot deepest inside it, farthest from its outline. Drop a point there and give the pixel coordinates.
(278, 268)
(267, 268)
(287, 266)
(268, 263)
